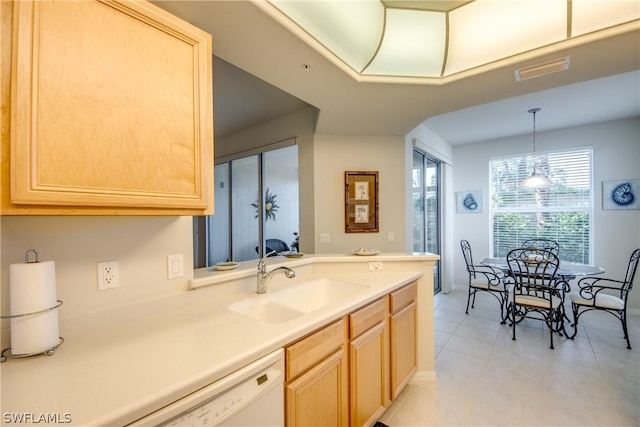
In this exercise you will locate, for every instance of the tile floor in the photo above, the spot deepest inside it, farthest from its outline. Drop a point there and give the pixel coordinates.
(486, 379)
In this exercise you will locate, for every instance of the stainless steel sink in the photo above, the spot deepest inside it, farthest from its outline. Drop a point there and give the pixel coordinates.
(297, 300)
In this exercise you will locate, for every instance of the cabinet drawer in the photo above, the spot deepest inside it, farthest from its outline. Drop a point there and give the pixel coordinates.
(309, 351)
(365, 318)
(403, 297)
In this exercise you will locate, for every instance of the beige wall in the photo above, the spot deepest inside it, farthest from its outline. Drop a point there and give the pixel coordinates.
(76, 244)
(333, 156)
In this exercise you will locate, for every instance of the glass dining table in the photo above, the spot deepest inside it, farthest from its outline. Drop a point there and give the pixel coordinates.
(568, 270)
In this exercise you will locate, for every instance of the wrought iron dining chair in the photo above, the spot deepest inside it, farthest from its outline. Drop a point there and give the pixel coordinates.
(610, 295)
(547, 245)
(483, 278)
(541, 243)
(536, 292)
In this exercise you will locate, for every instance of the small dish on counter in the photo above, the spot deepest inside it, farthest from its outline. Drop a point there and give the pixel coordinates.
(291, 254)
(224, 266)
(366, 252)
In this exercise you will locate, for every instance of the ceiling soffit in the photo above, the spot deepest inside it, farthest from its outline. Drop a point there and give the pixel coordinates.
(435, 42)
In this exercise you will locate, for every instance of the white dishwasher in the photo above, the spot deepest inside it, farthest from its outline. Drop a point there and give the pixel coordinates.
(251, 396)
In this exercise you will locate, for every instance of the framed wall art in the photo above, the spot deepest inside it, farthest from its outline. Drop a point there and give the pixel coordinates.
(469, 201)
(621, 194)
(361, 202)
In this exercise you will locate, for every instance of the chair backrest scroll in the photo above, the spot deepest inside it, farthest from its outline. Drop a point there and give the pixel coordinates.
(532, 267)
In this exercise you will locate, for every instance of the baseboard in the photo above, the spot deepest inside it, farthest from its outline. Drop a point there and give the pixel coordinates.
(424, 377)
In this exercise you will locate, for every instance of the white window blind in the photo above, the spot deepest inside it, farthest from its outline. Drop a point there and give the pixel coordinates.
(562, 213)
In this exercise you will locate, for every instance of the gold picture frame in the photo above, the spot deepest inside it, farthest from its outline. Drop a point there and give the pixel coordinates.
(361, 202)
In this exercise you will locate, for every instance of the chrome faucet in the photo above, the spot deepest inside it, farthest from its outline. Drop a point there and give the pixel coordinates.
(264, 277)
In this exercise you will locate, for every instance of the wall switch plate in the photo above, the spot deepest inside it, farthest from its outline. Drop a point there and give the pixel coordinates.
(376, 265)
(390, 236)
(175, 266)
(108, 275)
(325, 238)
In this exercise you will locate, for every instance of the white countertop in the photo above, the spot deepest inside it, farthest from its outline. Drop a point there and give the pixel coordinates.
(121, 365)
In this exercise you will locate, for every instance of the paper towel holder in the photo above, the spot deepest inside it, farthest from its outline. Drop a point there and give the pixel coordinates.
(6, 353)
(49, 352)
(27, 256)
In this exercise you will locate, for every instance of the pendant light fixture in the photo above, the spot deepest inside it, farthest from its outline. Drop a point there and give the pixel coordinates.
(536, 179)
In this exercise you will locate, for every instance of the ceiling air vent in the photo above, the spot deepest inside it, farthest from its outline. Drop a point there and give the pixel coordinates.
(550, 67)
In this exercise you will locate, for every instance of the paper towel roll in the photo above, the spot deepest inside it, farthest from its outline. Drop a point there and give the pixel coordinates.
(32, 287)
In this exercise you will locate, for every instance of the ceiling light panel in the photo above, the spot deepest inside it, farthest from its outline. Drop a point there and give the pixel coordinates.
(591, 15)
(334, 24)
(413, 44)
(432, 5)
(427, 39)
(489, 30)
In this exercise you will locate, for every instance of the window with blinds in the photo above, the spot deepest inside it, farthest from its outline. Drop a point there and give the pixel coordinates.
(562, 212)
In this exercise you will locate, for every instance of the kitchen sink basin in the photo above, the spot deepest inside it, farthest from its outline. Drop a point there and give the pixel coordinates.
(297, 300)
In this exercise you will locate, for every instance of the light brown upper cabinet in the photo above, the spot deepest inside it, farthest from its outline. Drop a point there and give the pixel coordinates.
(109, 110)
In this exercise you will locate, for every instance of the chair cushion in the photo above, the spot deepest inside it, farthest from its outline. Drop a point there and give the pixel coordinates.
(534, 301)
(482, 284)
(602, 301)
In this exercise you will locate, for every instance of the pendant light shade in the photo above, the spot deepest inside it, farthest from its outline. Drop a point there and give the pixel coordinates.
(536, 179)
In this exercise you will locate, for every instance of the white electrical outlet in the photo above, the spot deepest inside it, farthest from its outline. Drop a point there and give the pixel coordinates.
(375, 266)
(108, 275)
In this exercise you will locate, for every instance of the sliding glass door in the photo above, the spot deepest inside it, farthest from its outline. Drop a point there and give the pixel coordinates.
(426, 208)
(245, 225)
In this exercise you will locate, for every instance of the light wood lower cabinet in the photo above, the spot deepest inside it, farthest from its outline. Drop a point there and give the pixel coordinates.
(350, 371)
(316, 388)
(368, 363)
(403, 327)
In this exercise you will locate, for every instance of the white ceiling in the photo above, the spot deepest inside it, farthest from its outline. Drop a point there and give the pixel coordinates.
(604, 99)
(601, 84)
(242, 100)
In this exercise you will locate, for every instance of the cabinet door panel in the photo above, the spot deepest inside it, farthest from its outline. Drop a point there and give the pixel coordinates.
(403, 348)
(368, 364)
(111, 106)
(319, 397)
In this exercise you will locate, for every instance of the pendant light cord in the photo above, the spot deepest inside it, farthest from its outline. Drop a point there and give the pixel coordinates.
(534, 111)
